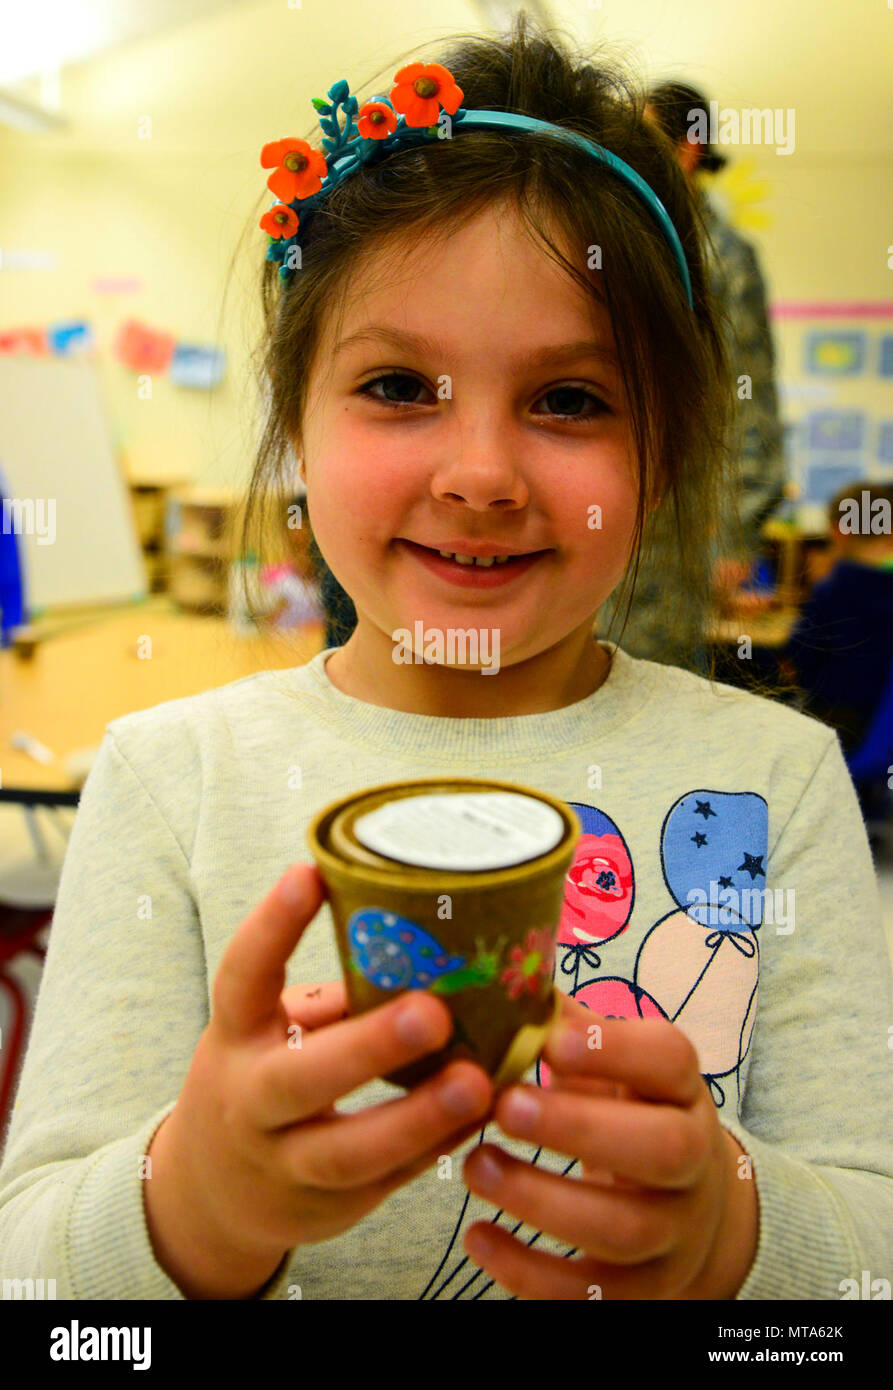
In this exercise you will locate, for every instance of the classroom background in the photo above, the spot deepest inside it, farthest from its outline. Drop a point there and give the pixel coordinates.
(129, 264)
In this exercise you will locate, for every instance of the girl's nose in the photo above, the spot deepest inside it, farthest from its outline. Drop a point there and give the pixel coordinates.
(481, 476)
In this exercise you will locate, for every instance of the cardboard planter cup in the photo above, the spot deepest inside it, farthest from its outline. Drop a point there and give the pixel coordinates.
(453, 885)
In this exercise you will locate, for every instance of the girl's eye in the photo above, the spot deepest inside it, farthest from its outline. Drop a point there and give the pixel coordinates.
(565, 398)
(565, 401)
(404, 396)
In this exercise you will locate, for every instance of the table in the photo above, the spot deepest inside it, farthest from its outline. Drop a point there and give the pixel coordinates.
(111, 664)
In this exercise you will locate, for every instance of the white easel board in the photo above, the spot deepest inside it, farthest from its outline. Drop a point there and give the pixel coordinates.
(56, 445)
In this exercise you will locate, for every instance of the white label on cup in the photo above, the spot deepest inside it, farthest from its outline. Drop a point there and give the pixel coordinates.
(462, 831)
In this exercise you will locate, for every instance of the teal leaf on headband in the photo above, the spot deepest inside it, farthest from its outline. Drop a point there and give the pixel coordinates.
(339, 90)
(330, 127)
(321, 105)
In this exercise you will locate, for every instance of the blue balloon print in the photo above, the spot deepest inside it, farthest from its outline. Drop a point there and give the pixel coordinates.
(714, 848)
(394, 952)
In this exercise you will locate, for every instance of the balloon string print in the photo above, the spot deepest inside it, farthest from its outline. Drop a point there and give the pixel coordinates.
(577, 954)
(742, 944)
(452, 1240)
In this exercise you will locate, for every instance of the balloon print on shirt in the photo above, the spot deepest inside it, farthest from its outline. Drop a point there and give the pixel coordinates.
(701, 964)
(697, 967)
(599, 892)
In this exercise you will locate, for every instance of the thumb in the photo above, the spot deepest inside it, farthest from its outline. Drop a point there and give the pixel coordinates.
(251, 975)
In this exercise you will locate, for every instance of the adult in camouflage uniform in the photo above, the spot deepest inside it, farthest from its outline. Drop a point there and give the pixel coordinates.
(757, 444)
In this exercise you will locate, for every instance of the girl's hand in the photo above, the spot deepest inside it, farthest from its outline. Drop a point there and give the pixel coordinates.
(254, 1158)
(660, 1210)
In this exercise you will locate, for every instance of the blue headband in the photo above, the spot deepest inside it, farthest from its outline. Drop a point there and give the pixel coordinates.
(304, 177)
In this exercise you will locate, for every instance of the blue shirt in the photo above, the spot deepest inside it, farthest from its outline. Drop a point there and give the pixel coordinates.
(842, 644)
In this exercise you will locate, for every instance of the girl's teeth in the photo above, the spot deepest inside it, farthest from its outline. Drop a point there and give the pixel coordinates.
(485, 560)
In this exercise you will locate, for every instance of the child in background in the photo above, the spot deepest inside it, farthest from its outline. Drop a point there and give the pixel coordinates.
(492, 345)
(841, 650)
(291, 588)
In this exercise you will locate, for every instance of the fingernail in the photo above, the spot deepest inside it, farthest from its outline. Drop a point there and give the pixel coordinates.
(413, 1027)
(522, 1110)
(458, 1098)
(569, 1045)
(481, 1243)
(291, 888)
(487, 1172)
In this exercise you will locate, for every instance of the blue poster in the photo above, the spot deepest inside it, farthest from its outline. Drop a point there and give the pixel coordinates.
(836, 429)
(885, 441)
(192, 365)
(823, 477)
(69, 339)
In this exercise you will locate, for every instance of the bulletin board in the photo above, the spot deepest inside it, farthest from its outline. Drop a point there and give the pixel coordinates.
(56, 444)
(837, 403)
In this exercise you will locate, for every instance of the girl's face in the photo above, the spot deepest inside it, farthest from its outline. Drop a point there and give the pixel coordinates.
(503, 425)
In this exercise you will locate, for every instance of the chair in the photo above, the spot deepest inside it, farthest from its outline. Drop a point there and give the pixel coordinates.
(27, 899)
(19, 927)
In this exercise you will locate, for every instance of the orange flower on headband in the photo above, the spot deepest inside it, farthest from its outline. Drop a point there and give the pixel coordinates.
(299, 169)
(280, 221)
(376, 120)
(421, 90)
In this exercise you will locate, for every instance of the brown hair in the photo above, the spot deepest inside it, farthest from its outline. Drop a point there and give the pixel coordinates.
(674, 362)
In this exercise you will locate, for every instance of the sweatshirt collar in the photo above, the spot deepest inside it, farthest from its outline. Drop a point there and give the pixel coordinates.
(629, 686)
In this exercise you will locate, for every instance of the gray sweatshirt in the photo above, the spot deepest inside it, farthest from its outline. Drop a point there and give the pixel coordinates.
(723, 881)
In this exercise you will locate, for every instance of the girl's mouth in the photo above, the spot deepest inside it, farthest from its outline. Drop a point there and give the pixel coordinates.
(471, 576)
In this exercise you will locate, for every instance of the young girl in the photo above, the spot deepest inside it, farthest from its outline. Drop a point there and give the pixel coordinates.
(489, 346)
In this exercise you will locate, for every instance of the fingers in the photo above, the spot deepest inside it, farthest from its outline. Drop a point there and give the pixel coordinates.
(655, 1146)
(649, 1055)
(440, 1148)
(395, 1140)
(618, 1226)
(251, 975)
(295, 1082)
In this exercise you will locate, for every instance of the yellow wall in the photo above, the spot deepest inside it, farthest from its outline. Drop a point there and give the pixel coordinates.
(171, 209)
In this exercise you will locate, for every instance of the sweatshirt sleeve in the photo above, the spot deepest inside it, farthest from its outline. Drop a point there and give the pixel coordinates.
(816, 1116)
(122, 1003)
